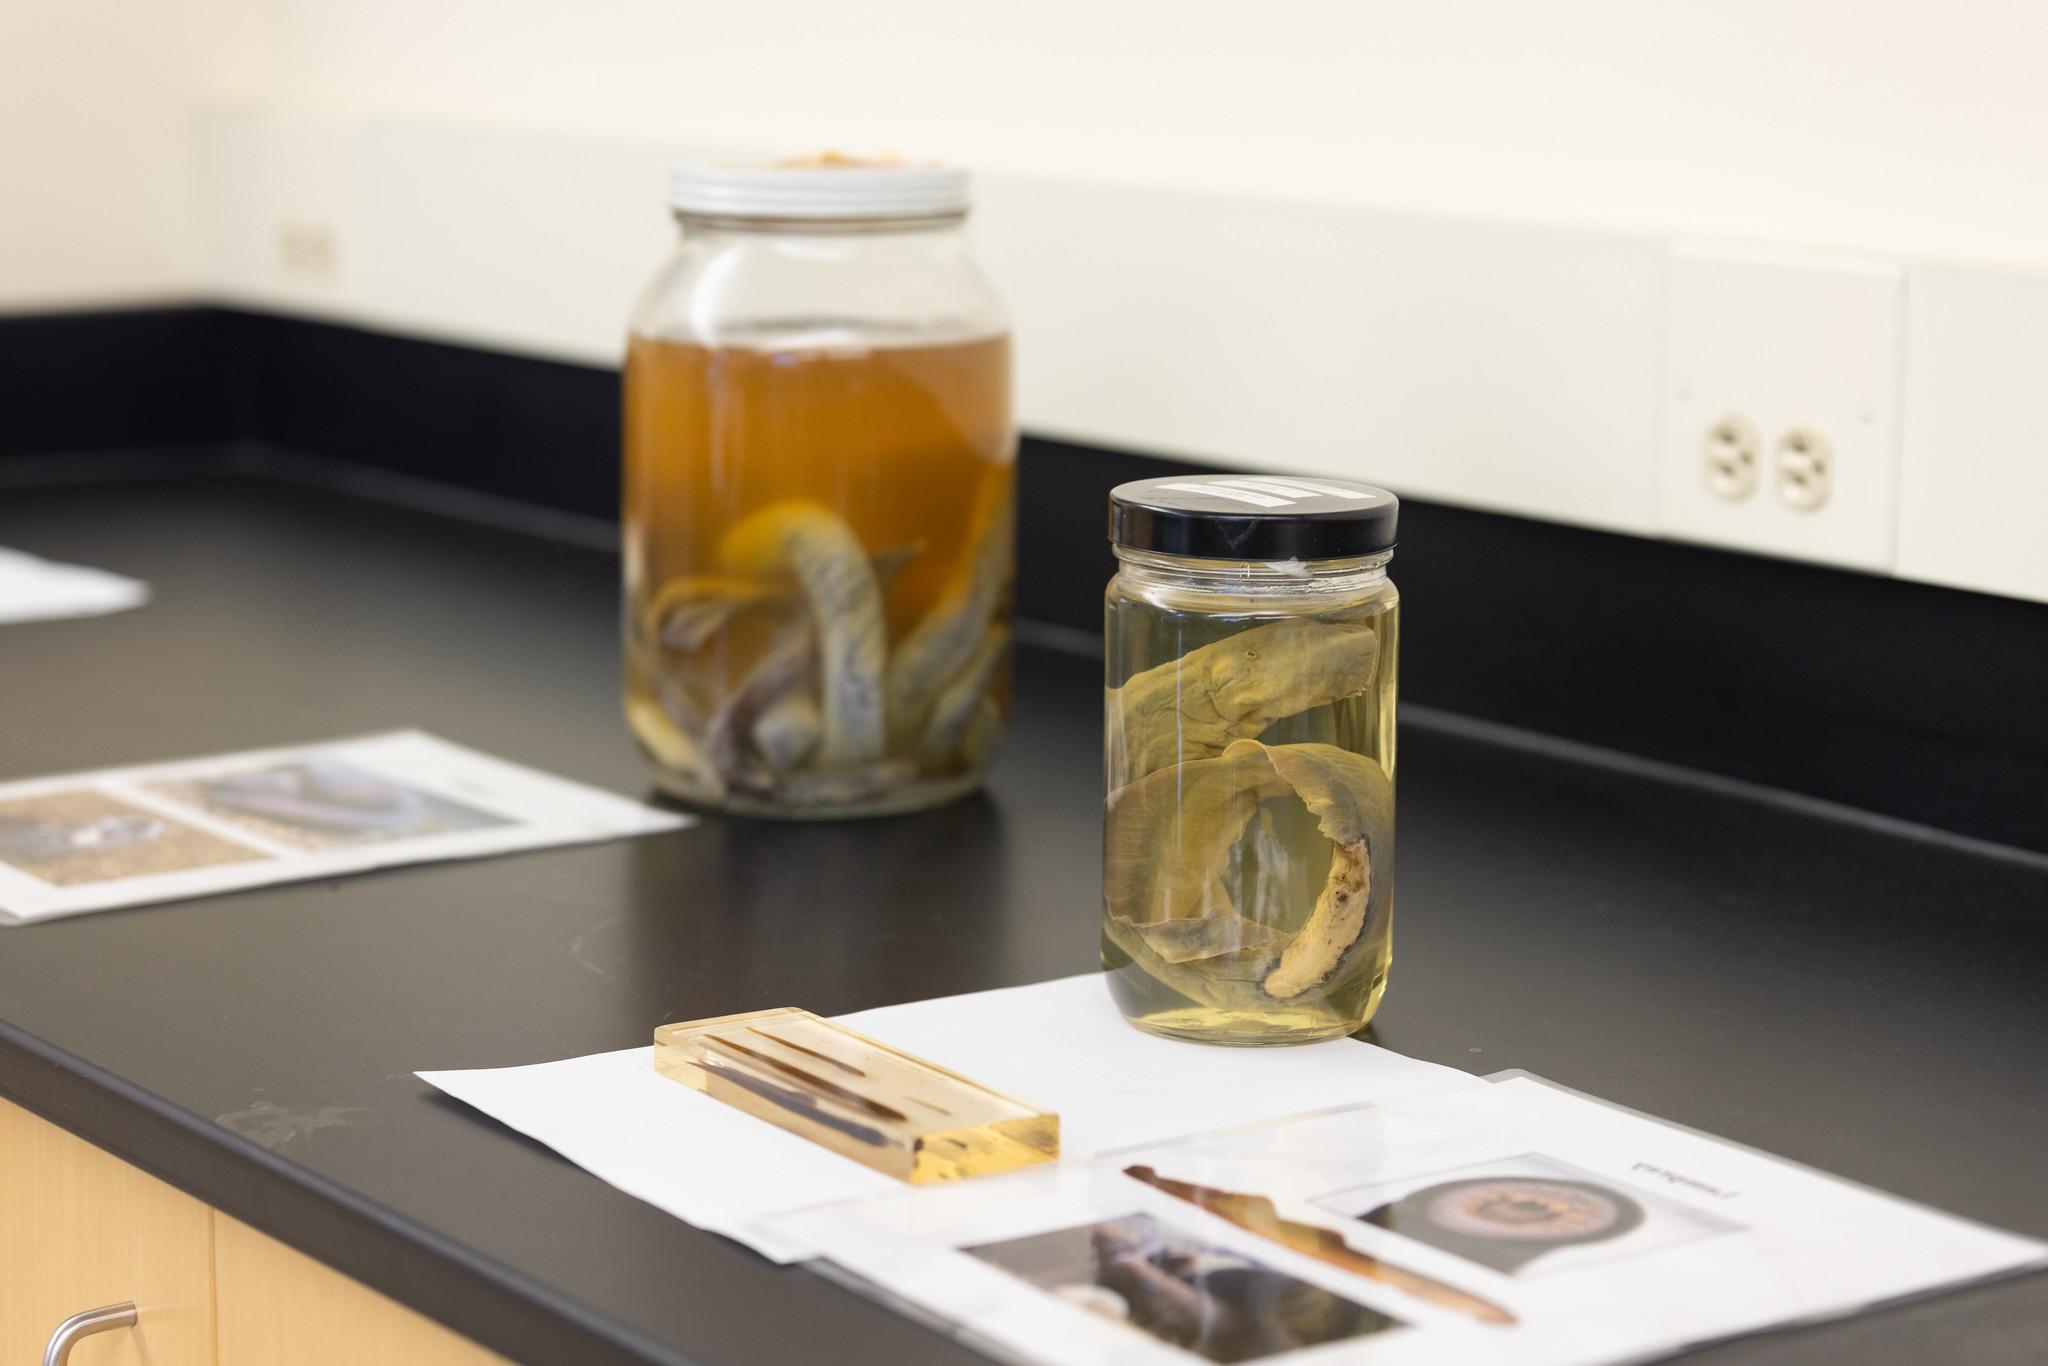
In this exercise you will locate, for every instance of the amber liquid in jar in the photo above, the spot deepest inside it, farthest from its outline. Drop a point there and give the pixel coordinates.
(818, 571)
(1226, 887)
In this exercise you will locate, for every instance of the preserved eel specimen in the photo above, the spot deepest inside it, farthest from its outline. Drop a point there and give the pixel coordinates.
(787, 663)
(677, 746)
(689, 611)
(957, 706)
(1169, 838)
(787, 731)
(944, 643)
(845, 605)
(1257, 1214)
(805, 722)
(767, 476)
(1191, 707)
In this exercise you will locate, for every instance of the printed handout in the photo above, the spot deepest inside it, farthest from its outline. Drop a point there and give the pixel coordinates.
(165, 832)
(1515, 1222)
(34, 589)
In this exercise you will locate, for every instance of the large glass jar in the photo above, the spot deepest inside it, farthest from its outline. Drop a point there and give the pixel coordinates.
(819, 488)
(1252, 646)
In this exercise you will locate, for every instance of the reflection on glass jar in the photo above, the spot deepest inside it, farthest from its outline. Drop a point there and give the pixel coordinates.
(1252, 640)
(819, 490)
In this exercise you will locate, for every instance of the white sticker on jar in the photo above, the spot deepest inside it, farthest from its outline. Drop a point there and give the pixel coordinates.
(1241, 495)
(1302, 488)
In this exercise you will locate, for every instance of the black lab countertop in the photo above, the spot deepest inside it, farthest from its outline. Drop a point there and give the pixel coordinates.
(1851, 994)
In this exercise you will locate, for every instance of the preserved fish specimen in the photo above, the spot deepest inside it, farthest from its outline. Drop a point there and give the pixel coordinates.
(1168, 845)
(1252, 638)
(819, 594)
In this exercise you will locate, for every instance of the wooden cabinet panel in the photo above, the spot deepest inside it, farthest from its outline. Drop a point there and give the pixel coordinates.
(277, 1305)
(80, 1229)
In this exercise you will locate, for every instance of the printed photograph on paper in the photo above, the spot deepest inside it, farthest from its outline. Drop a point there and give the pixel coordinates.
(1528, 1215)
(325, 803)
(84, 836)
(148, 833)
(1216, 1303)
(1508, 1221)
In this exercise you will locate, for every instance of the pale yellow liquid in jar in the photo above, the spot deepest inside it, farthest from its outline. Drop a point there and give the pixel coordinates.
(910, 450)
(1276, 871)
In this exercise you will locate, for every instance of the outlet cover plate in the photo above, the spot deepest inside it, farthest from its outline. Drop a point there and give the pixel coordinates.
(1786, 341)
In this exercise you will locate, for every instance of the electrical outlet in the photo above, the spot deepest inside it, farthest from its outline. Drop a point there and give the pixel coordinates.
(1732, 451)
(1805, 469)
(1781, 412)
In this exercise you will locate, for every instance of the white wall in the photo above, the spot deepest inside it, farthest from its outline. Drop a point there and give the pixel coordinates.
(1890, 124)
(98, 200)
(1420, 243)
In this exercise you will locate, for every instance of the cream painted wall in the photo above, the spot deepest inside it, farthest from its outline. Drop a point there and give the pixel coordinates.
(1899, 125)
(98, 199)
(1891, 125)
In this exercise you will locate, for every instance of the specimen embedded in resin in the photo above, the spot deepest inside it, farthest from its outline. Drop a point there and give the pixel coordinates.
(884, 1108)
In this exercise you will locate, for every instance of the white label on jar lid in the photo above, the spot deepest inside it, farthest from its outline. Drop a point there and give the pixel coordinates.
(1241, 495)
(1302, 488)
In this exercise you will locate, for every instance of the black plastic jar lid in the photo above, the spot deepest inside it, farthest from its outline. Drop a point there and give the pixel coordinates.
(1253, 517)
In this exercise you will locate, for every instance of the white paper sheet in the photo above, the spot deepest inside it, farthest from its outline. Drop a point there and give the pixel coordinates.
(1060, 1045)
(90, 841)
(1566, 1231)
(33, 589)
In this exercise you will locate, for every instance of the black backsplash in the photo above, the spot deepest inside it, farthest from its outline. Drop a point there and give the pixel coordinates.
(1922, 703)
(535, 430)
(116, 381)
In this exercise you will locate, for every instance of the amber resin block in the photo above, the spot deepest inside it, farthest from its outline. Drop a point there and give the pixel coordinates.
(857, 1096)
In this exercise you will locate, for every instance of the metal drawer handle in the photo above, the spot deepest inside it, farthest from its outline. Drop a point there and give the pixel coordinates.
(102, 1320)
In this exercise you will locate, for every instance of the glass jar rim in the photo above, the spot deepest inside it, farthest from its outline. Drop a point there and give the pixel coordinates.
(1189, 573)
(771, 226)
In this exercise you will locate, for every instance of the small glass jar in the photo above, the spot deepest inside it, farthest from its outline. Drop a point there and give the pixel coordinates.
(1252, 648)
(819, 487)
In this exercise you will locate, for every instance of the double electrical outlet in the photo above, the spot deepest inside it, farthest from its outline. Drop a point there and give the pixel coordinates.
(1802, 463)
(1781, 411)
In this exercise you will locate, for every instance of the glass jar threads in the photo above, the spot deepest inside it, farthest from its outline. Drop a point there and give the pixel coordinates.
(819, 480)
(1252, 640)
